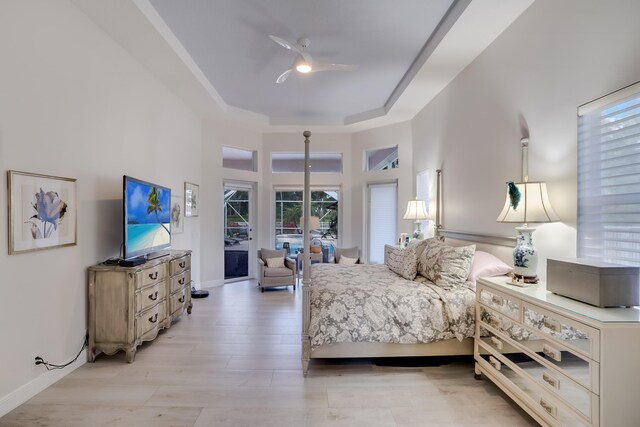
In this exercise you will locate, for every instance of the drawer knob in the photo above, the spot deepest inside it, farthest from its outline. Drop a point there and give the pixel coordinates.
(181, 299)
(495, 363)
(153, 276)
(154, 296)
(552, 353)
(551, 380)
(548, 407)
(154, 318)
(181, 281)
(551, 324)
(182, 264)
(497, 300)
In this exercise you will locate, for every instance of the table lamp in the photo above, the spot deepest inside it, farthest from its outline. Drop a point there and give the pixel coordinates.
(526, 203)
(417, 211)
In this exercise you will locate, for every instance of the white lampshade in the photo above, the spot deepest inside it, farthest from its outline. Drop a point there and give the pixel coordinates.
(529, 204)
(416, 210)
(314, 222)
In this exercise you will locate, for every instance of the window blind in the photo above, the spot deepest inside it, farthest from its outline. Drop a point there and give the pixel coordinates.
(609, 178)
(383, 211)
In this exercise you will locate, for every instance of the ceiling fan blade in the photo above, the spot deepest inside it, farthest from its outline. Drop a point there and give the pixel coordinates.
(284, 76)
(334, 67)
(285, 44)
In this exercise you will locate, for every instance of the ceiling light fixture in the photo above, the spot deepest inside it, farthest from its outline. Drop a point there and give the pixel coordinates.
(303, 67)
(302, 64)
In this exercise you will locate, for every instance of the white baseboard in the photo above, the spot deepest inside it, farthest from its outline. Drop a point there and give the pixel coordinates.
(23, 393)
(211, 284)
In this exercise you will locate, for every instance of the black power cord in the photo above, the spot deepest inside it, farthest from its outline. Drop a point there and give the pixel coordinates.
(51, 366)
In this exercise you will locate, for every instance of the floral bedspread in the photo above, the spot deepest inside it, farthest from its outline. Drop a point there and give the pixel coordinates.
(370, 303)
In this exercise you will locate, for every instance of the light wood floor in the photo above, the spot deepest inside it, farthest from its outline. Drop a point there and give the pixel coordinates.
(236, 362)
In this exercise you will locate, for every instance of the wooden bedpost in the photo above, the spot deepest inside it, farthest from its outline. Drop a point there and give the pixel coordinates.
(306, 290)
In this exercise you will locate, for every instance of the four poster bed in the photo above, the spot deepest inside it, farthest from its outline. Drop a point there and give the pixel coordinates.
(352, 311)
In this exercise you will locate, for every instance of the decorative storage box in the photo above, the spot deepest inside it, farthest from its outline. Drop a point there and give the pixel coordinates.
(593, 282)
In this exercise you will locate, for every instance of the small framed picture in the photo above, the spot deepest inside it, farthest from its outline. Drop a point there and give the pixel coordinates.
(191, 199)
(177, 214)
(42, 212)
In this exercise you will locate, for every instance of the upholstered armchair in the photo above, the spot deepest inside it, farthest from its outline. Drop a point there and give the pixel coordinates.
(275, 276)
(353, 253)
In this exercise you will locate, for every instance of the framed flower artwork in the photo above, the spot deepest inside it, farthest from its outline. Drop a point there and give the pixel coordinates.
(191, 199)
(177, 214)
(42, 212)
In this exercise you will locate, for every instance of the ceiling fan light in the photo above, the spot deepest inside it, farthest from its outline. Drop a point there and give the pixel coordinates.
(303, 67)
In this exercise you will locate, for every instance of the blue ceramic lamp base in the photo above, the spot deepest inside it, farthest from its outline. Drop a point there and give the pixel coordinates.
(525, 256)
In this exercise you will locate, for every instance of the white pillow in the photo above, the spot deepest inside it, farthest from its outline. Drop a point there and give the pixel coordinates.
(347, 260)
(275, 262)
(487, 265)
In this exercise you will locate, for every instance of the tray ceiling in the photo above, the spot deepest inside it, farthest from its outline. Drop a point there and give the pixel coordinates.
(228, 40)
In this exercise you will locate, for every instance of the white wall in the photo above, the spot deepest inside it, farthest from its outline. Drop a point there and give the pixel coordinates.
(530, 81)
(387, 136)
(215, 135)
(75, 104)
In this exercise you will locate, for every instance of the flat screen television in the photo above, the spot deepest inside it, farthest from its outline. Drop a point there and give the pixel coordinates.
(147, 218)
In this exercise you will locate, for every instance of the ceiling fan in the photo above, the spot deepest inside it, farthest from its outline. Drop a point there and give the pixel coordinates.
(303, 62)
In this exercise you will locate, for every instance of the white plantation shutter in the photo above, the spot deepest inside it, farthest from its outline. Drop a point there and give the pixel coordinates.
(383, 220)
(609, 178)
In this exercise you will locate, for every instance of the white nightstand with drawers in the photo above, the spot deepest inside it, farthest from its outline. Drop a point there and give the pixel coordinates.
(564, 362)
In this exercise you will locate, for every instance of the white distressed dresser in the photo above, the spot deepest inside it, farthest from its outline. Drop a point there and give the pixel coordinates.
(130, 305)
(564, 362)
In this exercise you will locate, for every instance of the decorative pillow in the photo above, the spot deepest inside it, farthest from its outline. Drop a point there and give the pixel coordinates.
(275, 262)
(348, 252)
(347, 260)
(487, 265)
(428, 260)
(271, 253)
(403, 262)
(455, 264)
(446, 266)
(419, 245)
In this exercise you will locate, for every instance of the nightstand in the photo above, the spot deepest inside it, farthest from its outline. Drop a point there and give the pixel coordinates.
(562, 361)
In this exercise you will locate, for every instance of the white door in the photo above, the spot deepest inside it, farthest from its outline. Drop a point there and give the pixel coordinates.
(239, 243)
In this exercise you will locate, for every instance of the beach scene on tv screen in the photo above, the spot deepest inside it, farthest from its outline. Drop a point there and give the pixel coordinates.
(148, 216)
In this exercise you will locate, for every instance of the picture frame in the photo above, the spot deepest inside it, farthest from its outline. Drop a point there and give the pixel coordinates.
(191, 199)
(177, 214)
(42, 212)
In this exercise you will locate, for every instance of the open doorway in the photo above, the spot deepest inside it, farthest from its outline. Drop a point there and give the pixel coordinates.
(238, 230)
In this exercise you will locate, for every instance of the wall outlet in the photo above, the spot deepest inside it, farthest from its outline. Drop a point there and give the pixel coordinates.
(35, 358)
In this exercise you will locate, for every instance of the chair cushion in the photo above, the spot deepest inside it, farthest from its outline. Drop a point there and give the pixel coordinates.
(348, 252)
(271, 253)
(277, 272)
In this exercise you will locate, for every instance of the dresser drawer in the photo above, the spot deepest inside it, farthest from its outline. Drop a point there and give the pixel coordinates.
(180, 281)
(150, 296)
(178, 301)
(528, 390)
(570, 333)
(500, 302)
(571, 363)
(152, 275)
(151, 319)
(180, 265)
(554, 381)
